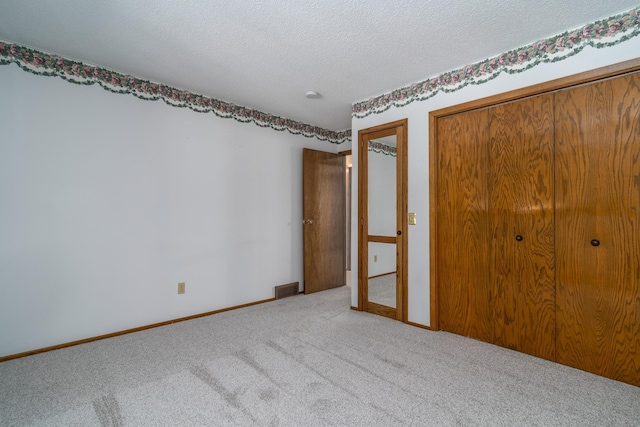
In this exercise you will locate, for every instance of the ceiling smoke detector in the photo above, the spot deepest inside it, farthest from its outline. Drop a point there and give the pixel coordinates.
(312, 94)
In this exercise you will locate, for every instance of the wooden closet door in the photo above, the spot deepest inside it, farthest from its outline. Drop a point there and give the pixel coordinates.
(598, 227)
(521, 199)
(464, 293)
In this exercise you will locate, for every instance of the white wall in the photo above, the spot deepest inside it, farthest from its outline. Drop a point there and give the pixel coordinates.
(418, 151)
(108, 201)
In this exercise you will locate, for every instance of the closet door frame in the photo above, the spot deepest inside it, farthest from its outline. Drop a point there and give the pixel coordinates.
(398, 128)
(539, 89)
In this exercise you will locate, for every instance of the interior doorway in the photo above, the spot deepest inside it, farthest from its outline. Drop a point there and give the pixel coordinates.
(323, 220)
(383, 220)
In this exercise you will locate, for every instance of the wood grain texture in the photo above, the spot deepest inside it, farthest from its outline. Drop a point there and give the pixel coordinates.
(434, 279)
(464, 294)
(382, 310)
(363, 217)
(597, 191)
(598, 197)
(521, 203)
(399, 129)
(402, 215)
(434, 143)
(382, 239)
(324, 204)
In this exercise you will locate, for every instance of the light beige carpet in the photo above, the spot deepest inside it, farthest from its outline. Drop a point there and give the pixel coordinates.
(303, 361)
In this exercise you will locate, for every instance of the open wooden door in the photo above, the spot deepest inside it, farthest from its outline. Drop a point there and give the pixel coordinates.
(324, 222)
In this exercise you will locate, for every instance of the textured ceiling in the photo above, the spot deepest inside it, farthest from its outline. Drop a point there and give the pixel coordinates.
(266, 54)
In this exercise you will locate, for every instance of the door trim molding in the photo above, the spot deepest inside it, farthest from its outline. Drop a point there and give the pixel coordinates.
(400, 129)
(324, 220)
(590, 76)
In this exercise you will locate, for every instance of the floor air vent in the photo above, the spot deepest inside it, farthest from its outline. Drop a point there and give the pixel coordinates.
(288, 290)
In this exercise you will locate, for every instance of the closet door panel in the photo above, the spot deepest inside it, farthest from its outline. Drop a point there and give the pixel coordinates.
(464, 295)
(598, 198)
(522, 261)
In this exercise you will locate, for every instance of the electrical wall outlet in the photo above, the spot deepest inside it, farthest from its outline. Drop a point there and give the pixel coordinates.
(375, 258)
(181, 287)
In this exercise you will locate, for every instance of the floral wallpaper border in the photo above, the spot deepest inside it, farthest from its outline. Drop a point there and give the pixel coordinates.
(378, 147)
(44, 64)
(599, 34)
